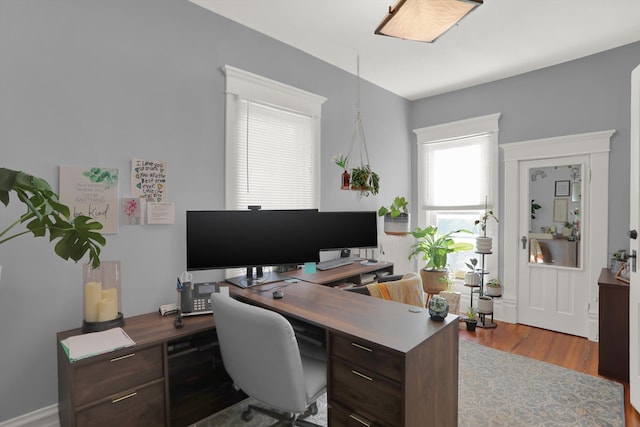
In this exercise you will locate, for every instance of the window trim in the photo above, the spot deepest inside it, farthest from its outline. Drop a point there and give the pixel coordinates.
(487, 124)
(242, 84)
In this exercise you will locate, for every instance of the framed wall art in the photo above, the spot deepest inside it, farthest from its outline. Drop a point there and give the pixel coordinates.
(563, 188)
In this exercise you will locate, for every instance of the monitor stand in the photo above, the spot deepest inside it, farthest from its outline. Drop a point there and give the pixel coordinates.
(251, 279)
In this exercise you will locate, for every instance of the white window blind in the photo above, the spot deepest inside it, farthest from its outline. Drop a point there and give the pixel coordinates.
(458, 173)
(274, 162)
(272, 143)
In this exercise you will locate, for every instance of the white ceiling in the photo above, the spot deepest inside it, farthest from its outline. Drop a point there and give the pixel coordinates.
(501, 38)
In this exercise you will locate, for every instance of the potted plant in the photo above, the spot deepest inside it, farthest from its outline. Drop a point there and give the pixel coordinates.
(77, 236)
(366, 181)
(485, 304)
(471, 319)
(494, 287)
(472, 278)
(342, 160)
(396, 217)
(434, 249)
(484, 243)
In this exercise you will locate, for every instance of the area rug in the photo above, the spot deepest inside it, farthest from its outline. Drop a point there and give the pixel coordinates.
(502, 389)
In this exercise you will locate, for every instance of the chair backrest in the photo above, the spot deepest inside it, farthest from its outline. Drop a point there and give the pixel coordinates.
(260, 353)
(407, 289)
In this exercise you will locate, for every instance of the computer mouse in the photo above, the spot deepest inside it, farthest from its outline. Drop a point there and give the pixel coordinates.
(278, 294)
(372, 260)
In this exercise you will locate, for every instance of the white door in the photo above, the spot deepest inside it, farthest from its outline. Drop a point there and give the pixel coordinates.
(553, 285)
(634, 224)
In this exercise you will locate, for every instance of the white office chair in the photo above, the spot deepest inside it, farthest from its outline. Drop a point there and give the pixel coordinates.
(261, 354)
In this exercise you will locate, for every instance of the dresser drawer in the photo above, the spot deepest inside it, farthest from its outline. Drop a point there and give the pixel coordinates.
(362, 353)
(94, 381)
(135, 408)
(368, 393)
(340, 416)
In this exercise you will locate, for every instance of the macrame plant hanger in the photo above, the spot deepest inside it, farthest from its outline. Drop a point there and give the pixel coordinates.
(358, 136)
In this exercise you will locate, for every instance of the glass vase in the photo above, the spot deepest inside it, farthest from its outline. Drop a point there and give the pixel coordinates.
(102, 297)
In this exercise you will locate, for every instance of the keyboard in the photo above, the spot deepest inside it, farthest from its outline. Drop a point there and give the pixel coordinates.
(333, 263)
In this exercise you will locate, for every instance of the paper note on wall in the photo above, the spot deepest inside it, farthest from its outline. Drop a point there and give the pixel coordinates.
(92, 192)
(161, 213)
(149, 180)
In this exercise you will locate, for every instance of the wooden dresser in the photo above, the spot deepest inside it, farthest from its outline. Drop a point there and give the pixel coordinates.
(613, 327)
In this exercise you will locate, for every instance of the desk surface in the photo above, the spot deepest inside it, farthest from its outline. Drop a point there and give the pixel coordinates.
(324, 277)
(386, 323)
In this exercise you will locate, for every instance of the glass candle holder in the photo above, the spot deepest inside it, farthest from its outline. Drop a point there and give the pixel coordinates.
(102, 297)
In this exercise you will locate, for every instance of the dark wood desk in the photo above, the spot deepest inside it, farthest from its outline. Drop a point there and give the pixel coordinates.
(613, 327)
(387, 366)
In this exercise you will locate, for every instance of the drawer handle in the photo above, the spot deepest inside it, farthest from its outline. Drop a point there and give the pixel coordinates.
(360, 420)
(126, 356)
(362, 375)
(120, 399)
(361, 347)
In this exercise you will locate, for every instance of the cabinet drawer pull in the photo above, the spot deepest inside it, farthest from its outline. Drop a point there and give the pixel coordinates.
(362, 375)
(126, 356)
(361, 347)
(360, 420)
(120, 399)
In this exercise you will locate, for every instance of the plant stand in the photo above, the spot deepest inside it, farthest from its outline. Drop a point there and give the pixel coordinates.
(483, 321)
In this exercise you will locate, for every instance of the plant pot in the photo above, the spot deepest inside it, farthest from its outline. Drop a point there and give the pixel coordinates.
(471, 325)
(484, 244)
(494, 291)
(453, 298)
(472, 279)
(433, 282)
(485, 305)
(398, 226)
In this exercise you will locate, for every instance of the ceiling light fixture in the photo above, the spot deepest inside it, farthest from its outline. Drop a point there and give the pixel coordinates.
(424, 20)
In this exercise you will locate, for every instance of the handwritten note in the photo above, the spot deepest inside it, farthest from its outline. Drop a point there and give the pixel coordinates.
(93, 192)
(149, 180)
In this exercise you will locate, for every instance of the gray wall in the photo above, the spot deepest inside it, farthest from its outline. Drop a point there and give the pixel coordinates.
(93, 82)
(587, 95)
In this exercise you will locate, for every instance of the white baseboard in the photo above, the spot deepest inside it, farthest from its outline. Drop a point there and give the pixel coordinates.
(43, 417)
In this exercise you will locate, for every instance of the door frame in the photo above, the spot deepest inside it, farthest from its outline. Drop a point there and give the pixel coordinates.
(597, 146)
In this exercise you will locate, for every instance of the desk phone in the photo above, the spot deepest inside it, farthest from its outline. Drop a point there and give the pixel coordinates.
(195, 298)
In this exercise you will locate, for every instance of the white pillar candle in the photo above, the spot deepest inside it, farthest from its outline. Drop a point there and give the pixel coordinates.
(92, 296)
(107, 309)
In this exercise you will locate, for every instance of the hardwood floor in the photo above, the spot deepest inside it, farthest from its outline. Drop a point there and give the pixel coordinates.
(559, 349)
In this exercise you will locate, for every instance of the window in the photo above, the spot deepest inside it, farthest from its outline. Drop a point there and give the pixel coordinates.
(457, 175)
(272, 144)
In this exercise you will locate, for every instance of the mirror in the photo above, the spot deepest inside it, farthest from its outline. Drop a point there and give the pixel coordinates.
(554, 227)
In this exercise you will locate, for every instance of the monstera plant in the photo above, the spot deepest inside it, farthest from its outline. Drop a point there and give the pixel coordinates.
(75, 236)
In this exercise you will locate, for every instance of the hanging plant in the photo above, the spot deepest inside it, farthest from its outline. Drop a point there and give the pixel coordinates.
(366, 181)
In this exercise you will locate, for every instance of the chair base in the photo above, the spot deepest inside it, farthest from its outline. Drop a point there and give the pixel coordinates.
(284, 418)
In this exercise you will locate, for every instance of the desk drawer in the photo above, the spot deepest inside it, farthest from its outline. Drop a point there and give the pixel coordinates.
(135, 408)
(110, 376)
(368, 393)
(362, 353)
(340, 416)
